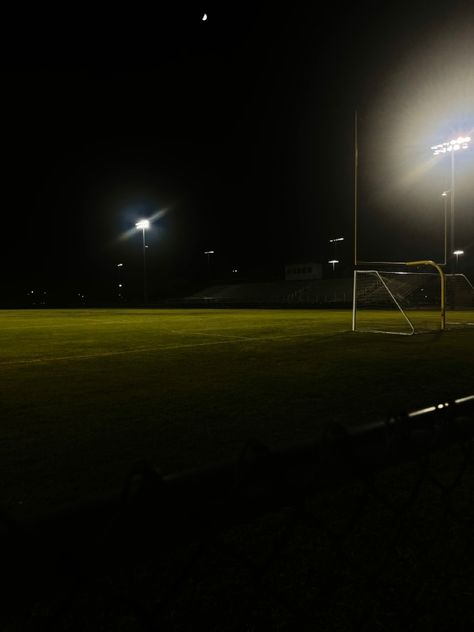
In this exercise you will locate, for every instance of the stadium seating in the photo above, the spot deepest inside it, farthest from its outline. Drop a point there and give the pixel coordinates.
(309, 292)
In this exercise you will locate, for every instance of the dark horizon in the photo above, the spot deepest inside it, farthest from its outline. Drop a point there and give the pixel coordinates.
(239, 131)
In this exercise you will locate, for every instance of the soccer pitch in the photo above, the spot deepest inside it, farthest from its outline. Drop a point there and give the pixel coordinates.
(86, 394)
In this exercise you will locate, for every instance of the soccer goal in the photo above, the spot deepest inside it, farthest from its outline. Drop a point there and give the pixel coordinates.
(409, 302)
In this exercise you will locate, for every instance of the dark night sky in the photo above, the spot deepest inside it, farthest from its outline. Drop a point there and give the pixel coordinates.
(239, 129)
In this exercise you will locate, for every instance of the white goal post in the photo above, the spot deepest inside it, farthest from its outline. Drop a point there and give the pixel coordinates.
(408, 302)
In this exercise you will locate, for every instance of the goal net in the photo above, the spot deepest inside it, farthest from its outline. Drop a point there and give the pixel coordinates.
(410, 302)
(459, 301)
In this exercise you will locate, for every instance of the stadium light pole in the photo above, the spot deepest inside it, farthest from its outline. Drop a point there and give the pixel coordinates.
(456, 253)
(335, 242)
(451, 147)
(444, 194)
(119, 282)
(143, 225)
(209, 253)
(333, 261)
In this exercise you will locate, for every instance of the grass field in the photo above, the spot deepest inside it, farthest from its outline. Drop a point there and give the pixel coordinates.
(88, 393)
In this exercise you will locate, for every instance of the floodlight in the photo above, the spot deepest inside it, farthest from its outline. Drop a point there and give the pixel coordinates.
(462, 142)
(143, 224)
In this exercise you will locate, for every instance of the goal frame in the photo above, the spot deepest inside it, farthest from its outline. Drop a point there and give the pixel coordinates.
(425, 262)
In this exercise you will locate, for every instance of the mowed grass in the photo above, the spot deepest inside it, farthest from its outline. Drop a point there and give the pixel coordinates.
(86, 394)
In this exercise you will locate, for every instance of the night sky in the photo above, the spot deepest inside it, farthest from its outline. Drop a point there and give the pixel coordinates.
(236, 133)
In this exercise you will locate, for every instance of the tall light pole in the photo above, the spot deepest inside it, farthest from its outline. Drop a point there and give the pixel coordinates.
(119, 282)
(335, 242)
(209, 253)
(456, 253)
(451, 147)
(143, 225)
(335, 260)
(444, 194)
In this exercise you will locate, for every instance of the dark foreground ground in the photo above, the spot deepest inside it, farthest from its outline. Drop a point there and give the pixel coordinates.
(88, 395)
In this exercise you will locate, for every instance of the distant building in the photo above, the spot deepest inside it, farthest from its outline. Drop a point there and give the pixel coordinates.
(303, 271)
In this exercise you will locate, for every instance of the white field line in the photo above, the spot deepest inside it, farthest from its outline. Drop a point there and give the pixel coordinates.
(65, 325)
(87, 321)
(105, 354)
(225, 336)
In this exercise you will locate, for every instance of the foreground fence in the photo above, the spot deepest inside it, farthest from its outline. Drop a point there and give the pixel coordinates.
(370, 528)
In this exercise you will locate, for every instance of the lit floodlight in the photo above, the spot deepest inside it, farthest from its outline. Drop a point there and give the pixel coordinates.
(461, 142)
(143, 224)
(333, 261)
(337, 239)
(209, 252)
